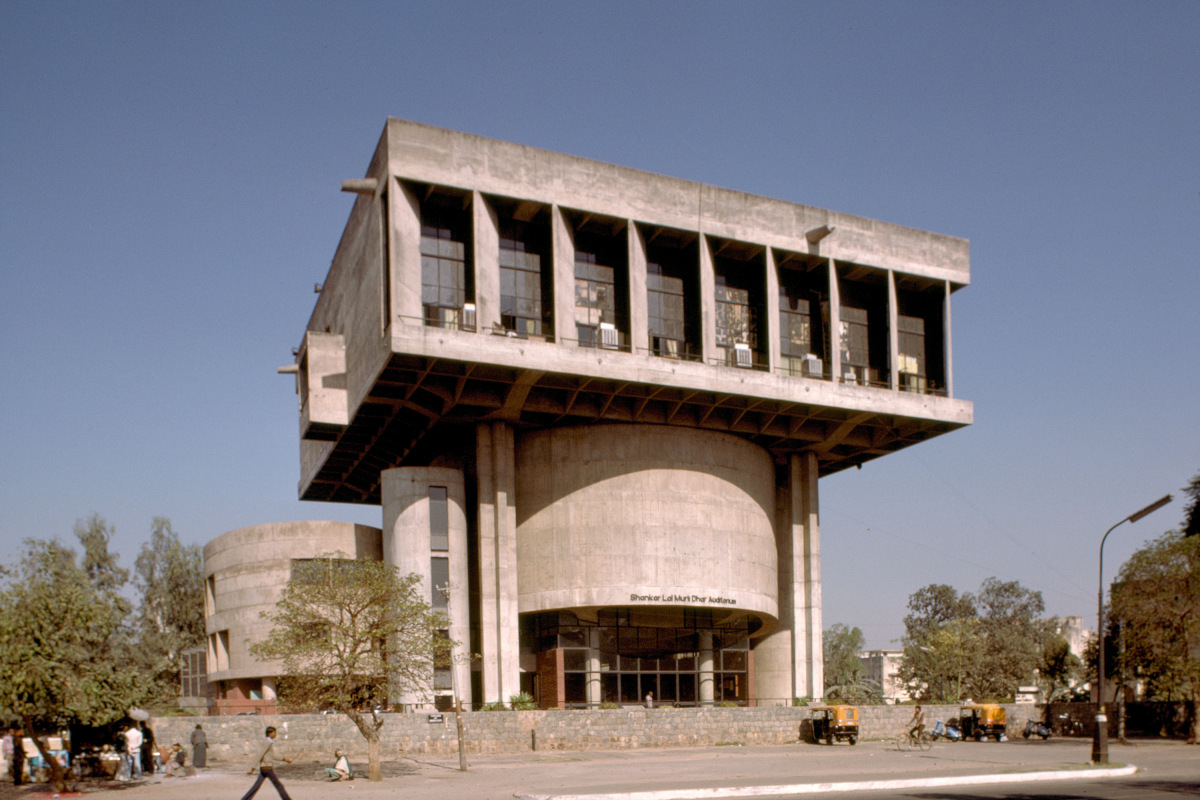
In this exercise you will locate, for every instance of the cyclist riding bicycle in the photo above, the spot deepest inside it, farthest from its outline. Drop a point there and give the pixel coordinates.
(916, 725)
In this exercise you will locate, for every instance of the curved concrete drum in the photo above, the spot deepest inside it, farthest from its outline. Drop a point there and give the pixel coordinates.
(245, 570)
(637, 515)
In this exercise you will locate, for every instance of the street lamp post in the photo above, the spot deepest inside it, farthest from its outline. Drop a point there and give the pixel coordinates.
(1100, 737)
(462, 750)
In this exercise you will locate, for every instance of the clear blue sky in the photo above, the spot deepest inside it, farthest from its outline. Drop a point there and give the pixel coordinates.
(169, 194)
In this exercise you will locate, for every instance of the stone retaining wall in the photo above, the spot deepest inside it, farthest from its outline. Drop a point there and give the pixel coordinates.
(316, 735)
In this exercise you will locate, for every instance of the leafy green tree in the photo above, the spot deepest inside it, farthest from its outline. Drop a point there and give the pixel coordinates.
(845, 678)
(1012, 633)
(169, 576)
(941, 644)
(345, 630)
(1060, 670)
(981, 646)
(1157, 597)
(64, 652)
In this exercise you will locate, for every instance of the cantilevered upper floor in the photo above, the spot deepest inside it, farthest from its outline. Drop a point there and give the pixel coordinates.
(480, 280)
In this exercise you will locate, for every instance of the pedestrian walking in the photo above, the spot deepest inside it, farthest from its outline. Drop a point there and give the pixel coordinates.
(133, 751)
(199, 748)
(264, 762)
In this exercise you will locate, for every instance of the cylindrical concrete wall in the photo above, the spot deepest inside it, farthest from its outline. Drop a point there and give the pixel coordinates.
(245, 571)
(640, 515)
(407, 545)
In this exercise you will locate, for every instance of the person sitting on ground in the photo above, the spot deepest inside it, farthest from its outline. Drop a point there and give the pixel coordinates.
(176, 763)
(340, 771)
(917, 724)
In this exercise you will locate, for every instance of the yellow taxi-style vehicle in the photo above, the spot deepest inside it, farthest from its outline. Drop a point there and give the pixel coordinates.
(979, 721)
(840, 723)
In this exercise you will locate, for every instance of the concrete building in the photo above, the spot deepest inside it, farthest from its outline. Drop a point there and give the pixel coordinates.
(244, 572)
(596, 402)
(883, 668)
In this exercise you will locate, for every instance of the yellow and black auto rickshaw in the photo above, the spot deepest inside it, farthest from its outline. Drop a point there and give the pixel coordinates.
(835, 722)
(980, 721)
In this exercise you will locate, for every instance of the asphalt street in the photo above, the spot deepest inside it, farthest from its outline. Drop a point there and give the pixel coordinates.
(1164, 770)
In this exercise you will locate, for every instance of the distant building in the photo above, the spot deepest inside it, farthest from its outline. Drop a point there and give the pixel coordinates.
(596, 402)
(1077, 636)
(882, 667)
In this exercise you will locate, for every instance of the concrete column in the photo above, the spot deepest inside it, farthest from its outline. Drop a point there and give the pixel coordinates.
(893, 333)
(486, 253)
(949, 350)
(705, 677)
(405, 285)
(562, 248)
(708, 312)
(639, 325)
(592, 688)
(808, 657)
(406, 545)
(499, 634)
(774, 675)
(835, 324)
(770, 322)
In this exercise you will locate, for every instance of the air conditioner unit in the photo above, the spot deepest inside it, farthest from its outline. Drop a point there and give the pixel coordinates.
(742, 357)
(468, 319)
(812, 367)
(608, 336)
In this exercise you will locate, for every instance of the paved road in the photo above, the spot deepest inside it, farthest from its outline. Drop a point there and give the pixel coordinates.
(1170, 768)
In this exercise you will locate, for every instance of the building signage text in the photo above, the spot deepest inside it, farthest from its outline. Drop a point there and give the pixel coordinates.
(681, 598)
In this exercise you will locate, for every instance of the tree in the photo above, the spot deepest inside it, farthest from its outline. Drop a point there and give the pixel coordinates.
(941, 644)
(1157, 597)
(1191, 512)
(344, 631)
(982, 646)
(1012, 634)
(844, 674)
(1060, 669)
(64, 653)
(169, 576)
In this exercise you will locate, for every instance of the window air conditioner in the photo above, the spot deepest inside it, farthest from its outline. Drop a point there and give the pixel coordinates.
(468, 321)
(742, 356)
(812, 367)
(608, 336)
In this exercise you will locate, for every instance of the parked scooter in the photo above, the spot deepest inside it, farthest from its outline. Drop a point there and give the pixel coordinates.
(943, 731)
(1035, 728)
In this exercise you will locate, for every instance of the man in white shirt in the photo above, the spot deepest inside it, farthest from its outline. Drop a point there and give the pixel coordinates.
(133, 749)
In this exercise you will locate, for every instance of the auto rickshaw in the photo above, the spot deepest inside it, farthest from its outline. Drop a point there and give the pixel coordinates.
(980, 721)
(835, 722)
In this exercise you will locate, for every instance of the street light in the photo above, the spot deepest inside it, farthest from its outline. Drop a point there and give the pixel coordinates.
(462, 750)
(1100, 737)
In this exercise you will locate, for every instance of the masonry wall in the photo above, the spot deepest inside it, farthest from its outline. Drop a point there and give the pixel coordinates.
(314, 735)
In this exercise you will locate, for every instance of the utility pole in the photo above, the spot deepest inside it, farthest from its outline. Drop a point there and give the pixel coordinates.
(462, 750)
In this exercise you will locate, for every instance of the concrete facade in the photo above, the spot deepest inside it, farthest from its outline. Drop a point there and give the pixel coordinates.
(624, 388)
(244, 572)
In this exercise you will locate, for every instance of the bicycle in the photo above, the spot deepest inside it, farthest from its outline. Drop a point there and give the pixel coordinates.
(905, 741)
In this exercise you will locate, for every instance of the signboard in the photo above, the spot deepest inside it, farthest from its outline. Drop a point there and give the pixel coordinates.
(1026, 695)
(434, 719)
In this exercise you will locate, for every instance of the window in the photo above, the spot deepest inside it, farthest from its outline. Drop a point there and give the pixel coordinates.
(524, 294)
(911, 351)
(445, 267)
(193, 673)
(665, 304)
(595, 298)
(601, 313)
(439, 578)
(855, 345)
(439, 520)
